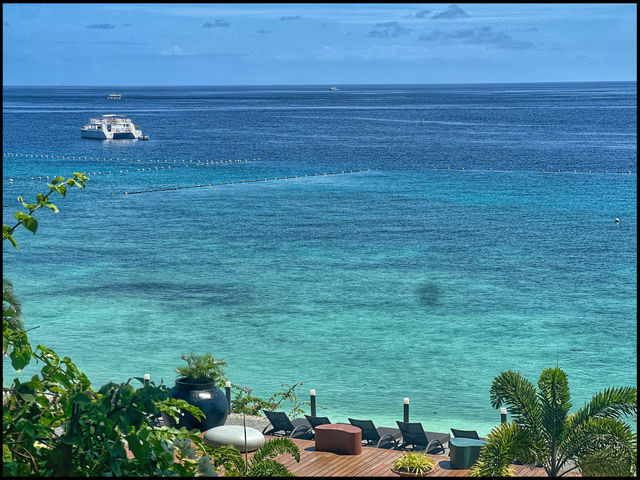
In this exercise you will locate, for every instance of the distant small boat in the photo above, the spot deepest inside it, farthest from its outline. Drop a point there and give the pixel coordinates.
(334, 89)
(114, 96)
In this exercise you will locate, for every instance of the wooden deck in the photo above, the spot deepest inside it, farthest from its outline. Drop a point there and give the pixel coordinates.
(373, 462)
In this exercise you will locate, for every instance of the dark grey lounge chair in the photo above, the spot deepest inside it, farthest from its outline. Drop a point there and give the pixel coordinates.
(315, 421)
(466, 434)
(298, 427)
(385, 436)
(413, 434)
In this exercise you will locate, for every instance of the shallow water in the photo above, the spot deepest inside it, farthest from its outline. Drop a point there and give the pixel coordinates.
(455, 254)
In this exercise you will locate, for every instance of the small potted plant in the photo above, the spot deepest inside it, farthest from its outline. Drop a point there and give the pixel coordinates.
(196, 383)
(414, 464)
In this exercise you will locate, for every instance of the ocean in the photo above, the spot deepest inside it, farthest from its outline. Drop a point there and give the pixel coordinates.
(375, 243)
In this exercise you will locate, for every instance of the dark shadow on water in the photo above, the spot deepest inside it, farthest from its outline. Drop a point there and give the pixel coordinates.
(429, 295)
(203, 295)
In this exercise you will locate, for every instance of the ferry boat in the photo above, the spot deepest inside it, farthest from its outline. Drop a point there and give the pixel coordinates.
(112, 127)
(114, 96)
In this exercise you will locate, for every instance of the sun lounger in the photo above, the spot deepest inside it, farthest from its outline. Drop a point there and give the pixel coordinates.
(298, 427)
(385, 436)
(414, 435)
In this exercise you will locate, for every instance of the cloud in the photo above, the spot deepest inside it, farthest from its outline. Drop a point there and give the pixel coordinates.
(297, 17)
(388, 29)
(419, 14)
(263, 31)
(452, 12)
(175, 51)
(218, 24)
(477, 36)
(101, 26)
(127, 25)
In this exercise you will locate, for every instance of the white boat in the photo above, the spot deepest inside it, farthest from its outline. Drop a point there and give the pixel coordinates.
(114, 96)
(112, 127)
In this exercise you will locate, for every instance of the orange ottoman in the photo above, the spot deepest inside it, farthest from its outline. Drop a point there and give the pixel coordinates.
(339, 438)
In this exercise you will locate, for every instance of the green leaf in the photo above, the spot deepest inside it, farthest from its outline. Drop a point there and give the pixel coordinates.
(6, 454)
(138, 447)
(12, 240)
(52, 207)
(27, 397)
(21, 353)
(31, 224)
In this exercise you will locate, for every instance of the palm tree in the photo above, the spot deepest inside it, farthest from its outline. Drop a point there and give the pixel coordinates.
(11, 306)
(594, 439)
(262, 464)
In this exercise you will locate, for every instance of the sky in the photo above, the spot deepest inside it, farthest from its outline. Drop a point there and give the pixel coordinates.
(316, 44)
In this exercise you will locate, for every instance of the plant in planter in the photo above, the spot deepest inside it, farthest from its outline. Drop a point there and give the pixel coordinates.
(196, 383)
(414, 464)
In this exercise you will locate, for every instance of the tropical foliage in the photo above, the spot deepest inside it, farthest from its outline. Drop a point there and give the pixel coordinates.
(245, 402)
(11, 306)
(417, 463)
(201, 368)
(262, 464)
(55, 424)
(594, 439)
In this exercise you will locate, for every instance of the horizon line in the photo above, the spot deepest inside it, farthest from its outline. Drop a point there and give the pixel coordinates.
(321, 84)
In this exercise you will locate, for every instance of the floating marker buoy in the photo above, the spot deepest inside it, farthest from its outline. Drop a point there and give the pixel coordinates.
(617, 220)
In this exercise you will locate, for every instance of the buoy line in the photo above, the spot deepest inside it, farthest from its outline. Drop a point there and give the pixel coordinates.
(628, 172)
(134, 160)
(306, 175)
(171, 166)
(191, 163)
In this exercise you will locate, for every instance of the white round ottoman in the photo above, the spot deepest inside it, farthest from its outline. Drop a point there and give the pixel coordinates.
(234, 435)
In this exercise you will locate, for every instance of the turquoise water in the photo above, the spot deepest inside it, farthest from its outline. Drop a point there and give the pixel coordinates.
(455, 254)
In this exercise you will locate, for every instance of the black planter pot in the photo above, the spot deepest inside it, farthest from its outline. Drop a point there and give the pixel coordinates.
(207, 397)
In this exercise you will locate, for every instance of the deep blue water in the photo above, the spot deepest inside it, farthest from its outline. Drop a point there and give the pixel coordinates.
(469, 239)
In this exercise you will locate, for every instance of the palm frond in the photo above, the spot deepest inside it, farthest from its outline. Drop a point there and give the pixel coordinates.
(231, 459)
(613, 402)
(275, 447)
(497, 454)
(269, 468)
(201, 368)
(519, 395)
(555, 402)
(602, 446)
